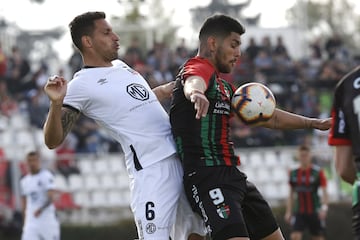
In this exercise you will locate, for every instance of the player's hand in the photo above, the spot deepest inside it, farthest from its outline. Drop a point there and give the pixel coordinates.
(37, 213)
(322, 124)
(322, 214)
(201, 103)
(56, 88)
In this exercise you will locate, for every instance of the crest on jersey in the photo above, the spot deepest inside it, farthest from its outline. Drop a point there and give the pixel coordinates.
(224, 211)
(137, 91)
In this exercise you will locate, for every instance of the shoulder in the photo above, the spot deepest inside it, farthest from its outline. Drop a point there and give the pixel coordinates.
(46, 173)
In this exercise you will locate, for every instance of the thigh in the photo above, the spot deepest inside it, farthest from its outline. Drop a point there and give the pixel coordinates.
(315, 225)
(187, 221)
(216, 193)
(155, 194)
(298, 223)
(30, 233)
(258, 215)
(50, 232)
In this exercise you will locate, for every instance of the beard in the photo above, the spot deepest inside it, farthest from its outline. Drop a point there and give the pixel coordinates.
(222, 66)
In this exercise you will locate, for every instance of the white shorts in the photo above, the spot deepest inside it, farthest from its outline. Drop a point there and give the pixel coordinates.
(156, 191)
(41, 232)
(187, 221)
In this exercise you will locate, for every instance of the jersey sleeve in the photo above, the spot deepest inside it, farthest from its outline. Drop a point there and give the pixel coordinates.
(198, 67)
(76, 97)
(22, 188)
(339, 132)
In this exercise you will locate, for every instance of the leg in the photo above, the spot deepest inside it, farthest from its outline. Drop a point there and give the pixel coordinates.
(296, 235)
(155, 193)
(216, 195)
(189, 225)
(258, 215)
(194, 236)
(277, 235)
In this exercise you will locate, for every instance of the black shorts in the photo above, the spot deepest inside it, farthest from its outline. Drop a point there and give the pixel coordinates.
(230, 205)
(301, 222)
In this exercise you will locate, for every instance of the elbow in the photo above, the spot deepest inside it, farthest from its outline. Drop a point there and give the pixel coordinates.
(52, 144)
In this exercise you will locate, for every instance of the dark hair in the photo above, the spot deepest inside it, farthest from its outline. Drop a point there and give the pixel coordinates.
(304, 148)
(32, 153)
(220, 25)
(83, 25)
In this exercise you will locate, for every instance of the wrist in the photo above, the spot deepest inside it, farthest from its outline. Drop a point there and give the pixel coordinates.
(324, 207)
(56, 103)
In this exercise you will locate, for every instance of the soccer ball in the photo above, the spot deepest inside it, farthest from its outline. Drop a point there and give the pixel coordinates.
(253, 103)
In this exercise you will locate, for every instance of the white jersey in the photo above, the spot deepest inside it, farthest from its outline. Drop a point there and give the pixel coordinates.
(120, 100)
(34, 188)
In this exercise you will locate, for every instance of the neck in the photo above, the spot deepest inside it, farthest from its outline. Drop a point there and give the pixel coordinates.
(35, 171)
(95, 61)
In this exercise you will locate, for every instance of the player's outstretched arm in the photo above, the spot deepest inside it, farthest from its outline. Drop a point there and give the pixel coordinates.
(59, 120)
(286, 120)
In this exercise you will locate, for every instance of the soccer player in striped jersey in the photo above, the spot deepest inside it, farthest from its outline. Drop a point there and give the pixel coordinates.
(38, 193)
(345, 136)
(200, 113)
(120, 100)
(305, 209)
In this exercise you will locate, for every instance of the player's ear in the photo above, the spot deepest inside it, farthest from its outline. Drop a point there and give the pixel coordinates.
(86, 41)
(211, 43)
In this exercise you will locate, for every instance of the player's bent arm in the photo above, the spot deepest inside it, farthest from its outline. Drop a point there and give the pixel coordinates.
(345, 164)
(289, 205)
(286, 120)
(164, 91)
(194, 84)
(58, 124)
(194, 89)
(23, 207)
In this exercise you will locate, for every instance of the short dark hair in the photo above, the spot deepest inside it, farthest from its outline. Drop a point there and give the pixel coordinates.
(32, 154)
(83, 25)
(220, 25)
(304, 148)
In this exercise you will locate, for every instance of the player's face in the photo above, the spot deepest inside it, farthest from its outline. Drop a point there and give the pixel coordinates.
(228, 53)
(304, 157)
(33, 163)
(105, 42)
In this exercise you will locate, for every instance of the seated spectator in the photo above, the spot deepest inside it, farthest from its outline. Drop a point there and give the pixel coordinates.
(66, 158)
(8, 105)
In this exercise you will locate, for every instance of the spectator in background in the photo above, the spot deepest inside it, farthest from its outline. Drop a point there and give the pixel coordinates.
(252, 49)
(3, 64)
(266, 45)
(18, 69)
(38, 102)
(264, 63)
(75, 62)
(134, 54)
(304, 210)
(66, 158)
(8, 105)
(333, 46)
(280, 49)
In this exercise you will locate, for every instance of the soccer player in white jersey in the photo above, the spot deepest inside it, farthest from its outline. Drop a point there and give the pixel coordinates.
(120, 100)
(38, 190)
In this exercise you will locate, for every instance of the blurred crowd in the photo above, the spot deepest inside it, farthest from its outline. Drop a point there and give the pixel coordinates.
(303, 86)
